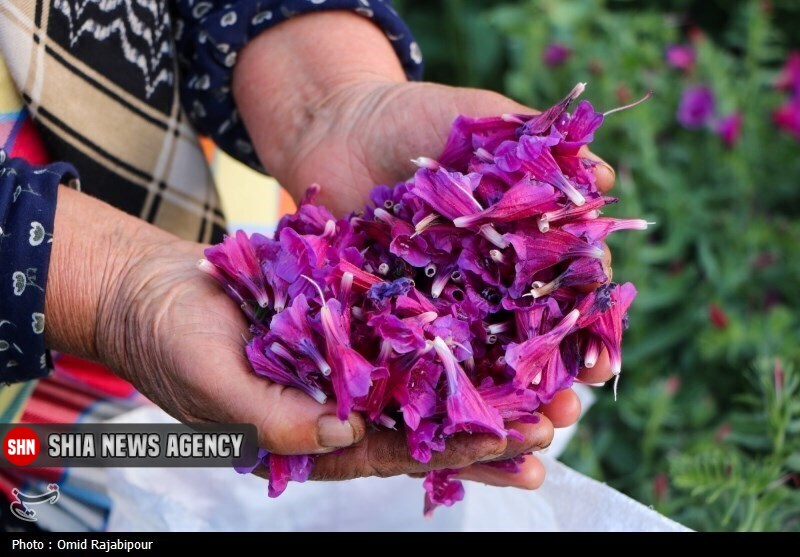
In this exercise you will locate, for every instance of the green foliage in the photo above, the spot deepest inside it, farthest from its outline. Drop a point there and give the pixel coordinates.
(701, 431)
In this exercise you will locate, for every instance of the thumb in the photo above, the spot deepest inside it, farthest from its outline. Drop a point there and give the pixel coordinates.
(288, 421)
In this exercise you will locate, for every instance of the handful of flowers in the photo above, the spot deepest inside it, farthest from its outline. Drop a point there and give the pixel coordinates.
(455, 302)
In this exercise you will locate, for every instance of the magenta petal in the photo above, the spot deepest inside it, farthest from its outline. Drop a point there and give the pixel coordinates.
(611, 323)
(441, 488)
(537, 251)
(282, 469)
(404, 335)
(542, 122)
(448, 193)
(597, 230)
(424, 440)
(544, 168)
(523, 200)
(412, 250)
(579, 128)
(512, 401)
(555, 377)
(236, 257)
(418, 399)
(351, 376)
(528, 357)
(469, 134)
(264, 363)
(466, 410)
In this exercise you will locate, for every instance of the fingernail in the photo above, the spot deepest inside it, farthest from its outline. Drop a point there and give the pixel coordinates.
(609, 169)
(334, 433)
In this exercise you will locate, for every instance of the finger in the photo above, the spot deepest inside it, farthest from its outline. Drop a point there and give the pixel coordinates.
(599, 373)
(530, 475)
(385, 453)
(604, 173)
(564, 409)
(288, 420)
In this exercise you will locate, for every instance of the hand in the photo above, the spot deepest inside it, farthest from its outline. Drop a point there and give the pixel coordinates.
(318, 114)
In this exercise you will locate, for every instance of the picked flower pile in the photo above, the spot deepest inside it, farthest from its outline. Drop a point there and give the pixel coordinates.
(457, 301)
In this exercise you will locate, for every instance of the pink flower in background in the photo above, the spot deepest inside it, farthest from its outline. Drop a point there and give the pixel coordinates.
(556, 54)
(787, 118)
(680, 56)
(729, 129)
(697, 107)
(789, 79)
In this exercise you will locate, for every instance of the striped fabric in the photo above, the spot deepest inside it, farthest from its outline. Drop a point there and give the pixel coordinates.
(83, 392)
(99, 78)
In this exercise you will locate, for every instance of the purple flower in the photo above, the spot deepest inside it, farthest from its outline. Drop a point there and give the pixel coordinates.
(351, 373)
(466, 410)
(284, 468)
(441, 488)
(680, 56)
(528, 357)
(609, 326)
(236, 259)
(696, 108)
(596, 230)
(448, 193)
(537, 251)
(556, 54)
(424, 440)
(729, 128)
(267, 364)
(418, 398)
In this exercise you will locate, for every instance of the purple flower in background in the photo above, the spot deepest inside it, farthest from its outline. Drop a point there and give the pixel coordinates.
(680, 56)
(696, 108)
(555, 54)
(729, 129)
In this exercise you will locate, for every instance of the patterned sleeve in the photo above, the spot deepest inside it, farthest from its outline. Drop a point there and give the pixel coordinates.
(27, 212)
(210, 33)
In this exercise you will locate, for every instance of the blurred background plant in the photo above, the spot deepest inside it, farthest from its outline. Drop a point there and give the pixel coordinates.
(707, 426)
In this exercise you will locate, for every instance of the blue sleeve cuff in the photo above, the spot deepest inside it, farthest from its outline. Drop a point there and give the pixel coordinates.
(209, 34)
(27, 211)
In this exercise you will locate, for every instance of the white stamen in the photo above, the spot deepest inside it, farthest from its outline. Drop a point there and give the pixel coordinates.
(491, 339)
(497, 256)
(627, 106)
(430, 269)
(330, 228)
(425, 162)
(490, 233)
(423, 224)
(538, 379)
(497, 328)
(455, 276)
(428, 317)
(383, 269)
(312, 281)
(484, 155)
(281, 351)
(616, 381)
(543, 224)
(357, 313)
(438, 284)
(388, 204)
